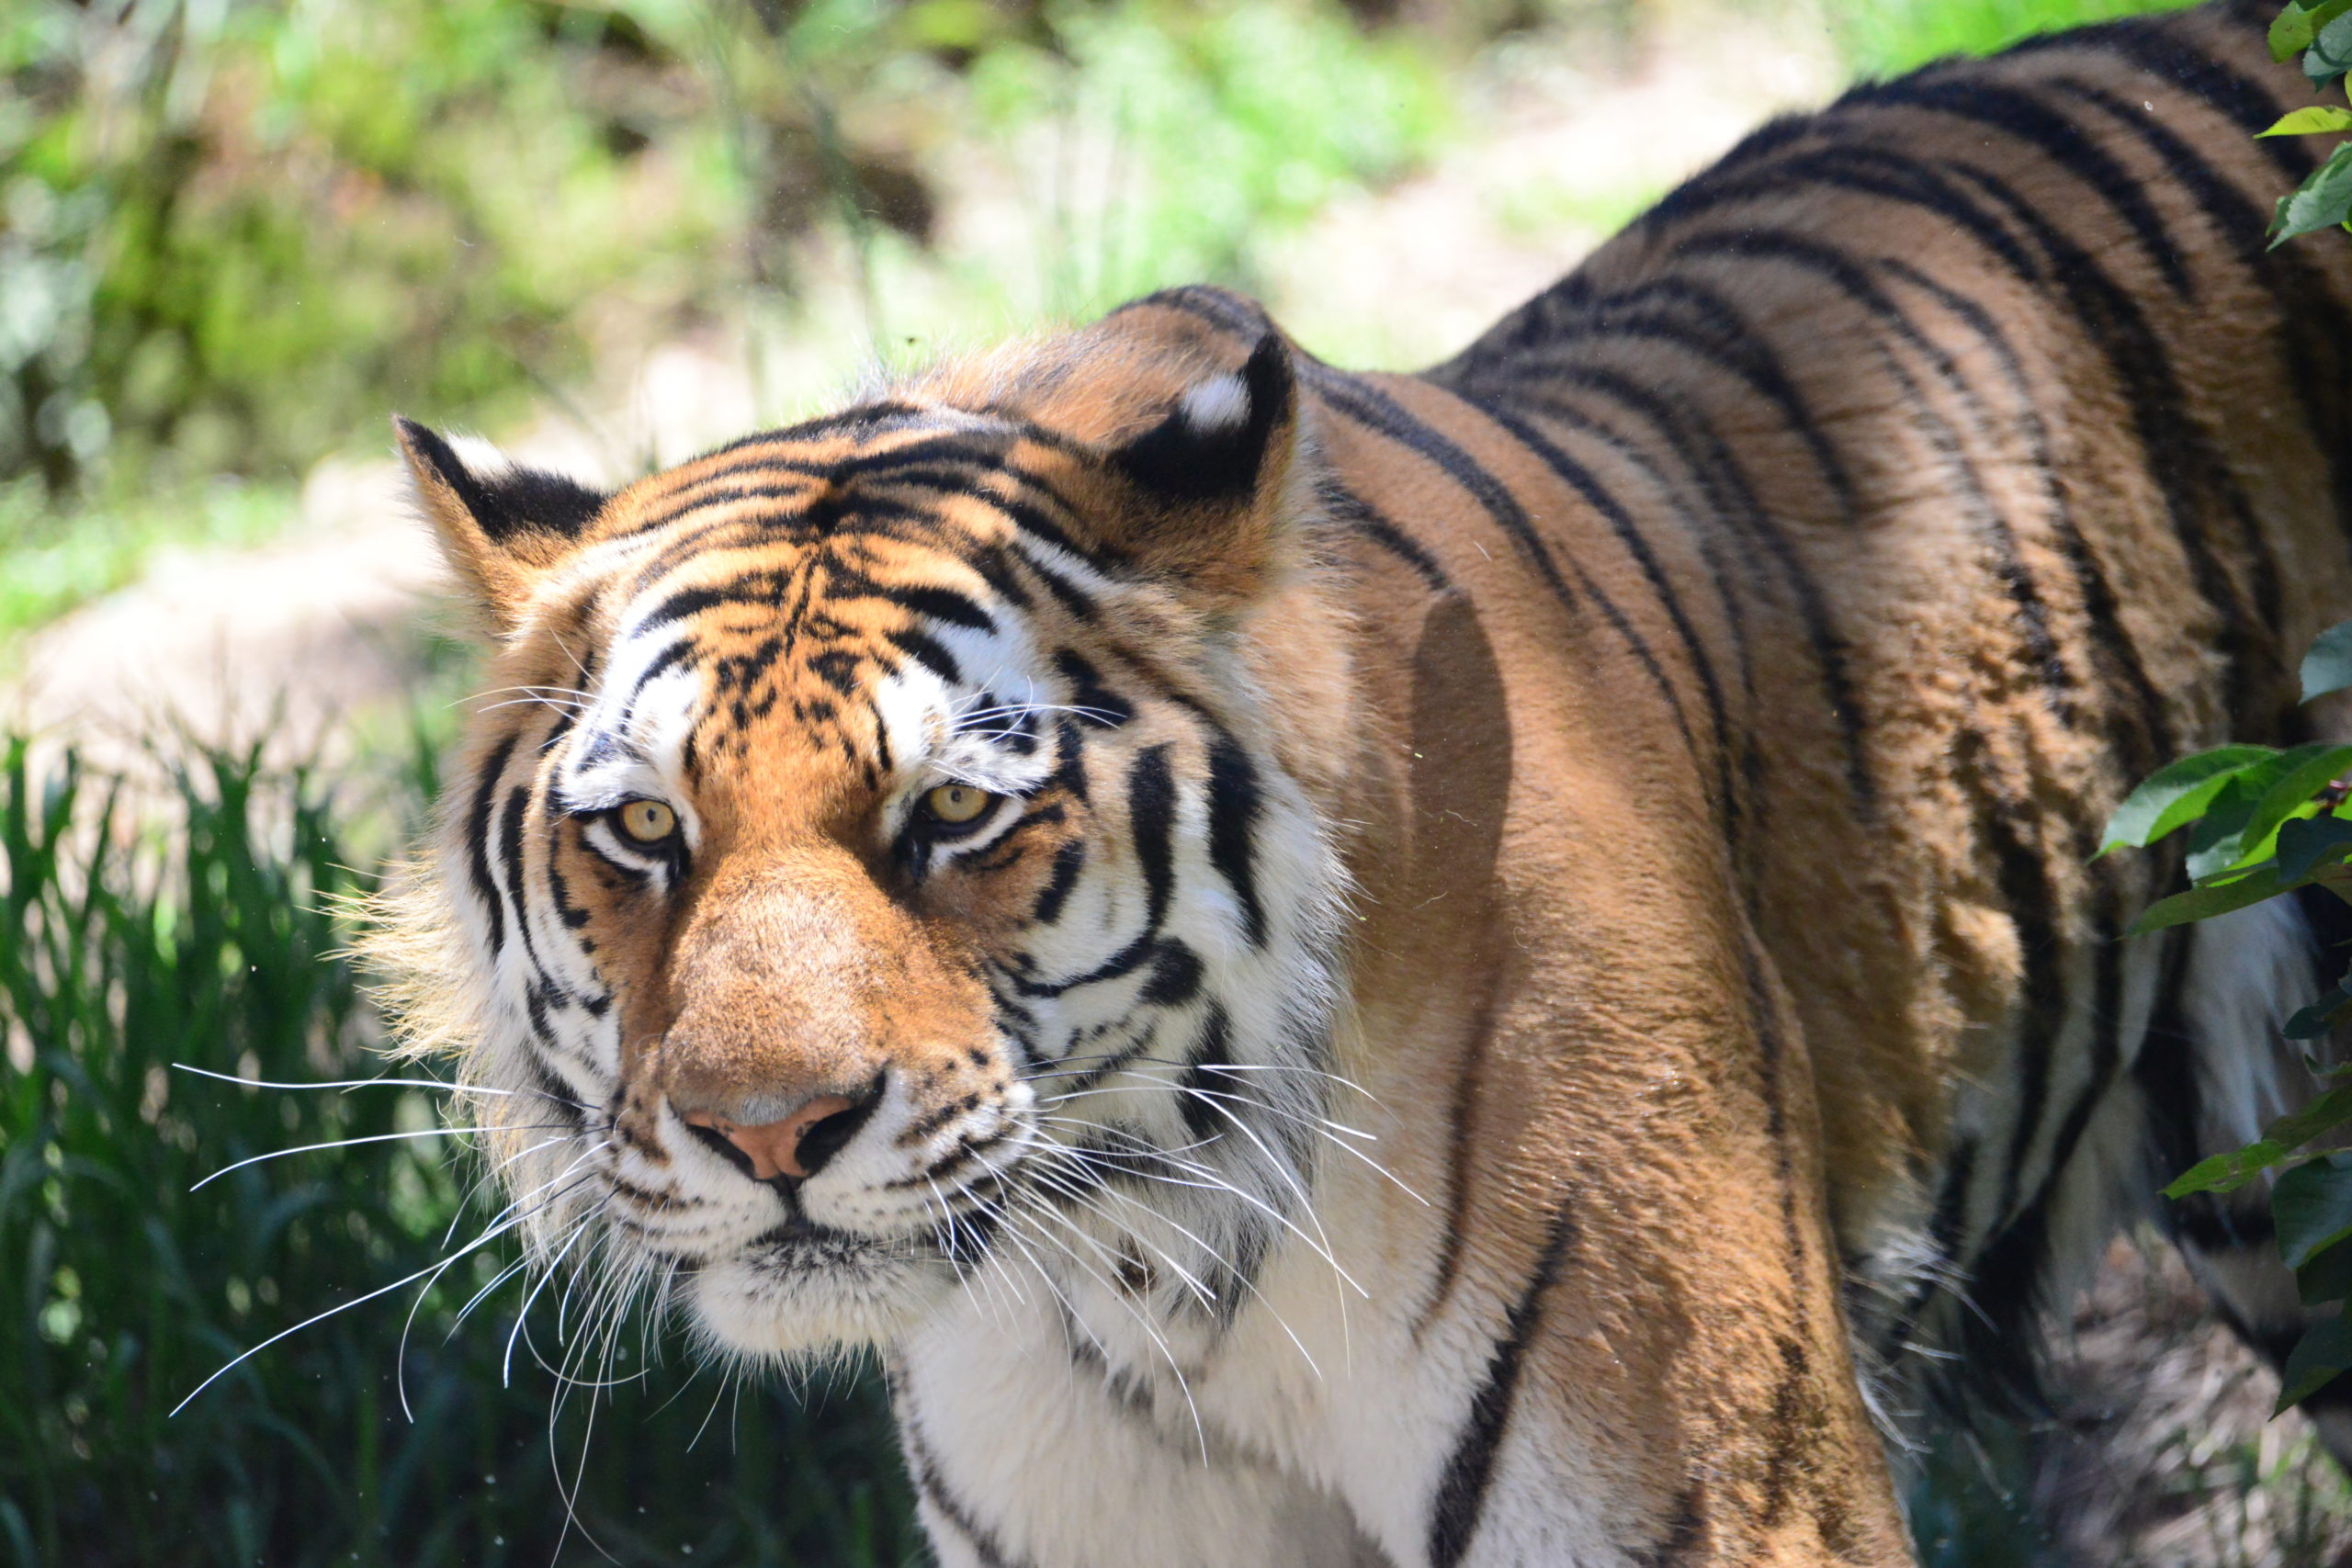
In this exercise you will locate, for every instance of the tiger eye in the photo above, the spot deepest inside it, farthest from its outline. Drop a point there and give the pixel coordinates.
(648, 821)
(956, 804)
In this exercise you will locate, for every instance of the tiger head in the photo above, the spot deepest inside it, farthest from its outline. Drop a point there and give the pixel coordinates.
(893, 851)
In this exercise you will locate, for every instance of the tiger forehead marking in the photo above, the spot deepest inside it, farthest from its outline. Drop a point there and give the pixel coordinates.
(782, 590)
(1457, 969)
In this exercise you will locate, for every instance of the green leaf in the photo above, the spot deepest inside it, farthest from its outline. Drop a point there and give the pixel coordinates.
(2334, 39)
(2322, 202)
(2228, 1172)
(2309, 770)
(2324, 1350)
(2304, 843)
(2328, 666)
(2317, 120)
(2316, 1020)
(2330, 54)
(2291, 33)
(2176, 794)
(2311, 1207)
(2324, 1114)
(2326, 1277)
(2296, 25)
(2227, 838)
(2213, 898)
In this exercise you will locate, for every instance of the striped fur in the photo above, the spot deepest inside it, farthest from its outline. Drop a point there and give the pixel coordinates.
(1536, 962)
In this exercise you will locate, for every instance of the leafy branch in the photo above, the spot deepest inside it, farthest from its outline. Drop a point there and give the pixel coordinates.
(2322, 34)
(2262, 823)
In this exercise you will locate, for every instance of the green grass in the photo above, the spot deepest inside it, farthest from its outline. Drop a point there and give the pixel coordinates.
(124, 953)
(1882, 37)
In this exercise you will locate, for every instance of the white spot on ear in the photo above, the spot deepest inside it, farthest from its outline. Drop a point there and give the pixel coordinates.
(1220, 403)
(479, 456)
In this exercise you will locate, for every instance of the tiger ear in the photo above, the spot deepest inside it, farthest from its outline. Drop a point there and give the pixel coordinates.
(500, 531)
(1209, 476)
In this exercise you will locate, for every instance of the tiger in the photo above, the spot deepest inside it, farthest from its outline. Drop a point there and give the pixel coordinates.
(1498, 966)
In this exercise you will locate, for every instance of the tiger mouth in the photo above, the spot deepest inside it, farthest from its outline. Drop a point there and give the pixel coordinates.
(800, 1233)
(797, 1244)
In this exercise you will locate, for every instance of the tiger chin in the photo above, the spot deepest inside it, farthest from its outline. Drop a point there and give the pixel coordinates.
(1499, 965)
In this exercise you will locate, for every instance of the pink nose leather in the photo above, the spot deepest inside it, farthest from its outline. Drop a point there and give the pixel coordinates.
(773, 1146)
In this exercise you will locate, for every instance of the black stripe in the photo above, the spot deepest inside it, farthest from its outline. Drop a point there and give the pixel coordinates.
(2164, 53)
(935, 1489)
(2151, 742)
(1212, 1054)
(1069, 861)
(882, 412)
(1176, 971)
(1883, 173)
(1229, 313)
(478, 842)
(683, 651)
(1621, 522)
(1685, 1531)
(1783, 1430)
(2032, 904)
(1702, 519)
(1947, 1232)
(927, 652)
(1680, 314)
(1693, 438)
(1104, 708)
(1461, 1494)
(2188, 473)
(510, 844)
(2107, 1058)
(2310, 326)
(1366, 519)
(931, 604)
(2034, 121)
(954, 443)
(1072, 598)
(1233, 805)
(1856, 283)
(1462, 1107)
(1382, 415)
(705, 497)
(1152, 818)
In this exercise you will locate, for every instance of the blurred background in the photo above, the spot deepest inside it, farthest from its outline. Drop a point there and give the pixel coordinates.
(236, 235)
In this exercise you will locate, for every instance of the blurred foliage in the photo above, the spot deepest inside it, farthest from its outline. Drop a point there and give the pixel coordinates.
(1883, 38)
(1212, 132)
(234, 229)
(52, 560)
(123, 955)
(233, 232)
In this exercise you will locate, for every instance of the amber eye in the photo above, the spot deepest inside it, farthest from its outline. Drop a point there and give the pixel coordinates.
(957, 805)
(647, 821)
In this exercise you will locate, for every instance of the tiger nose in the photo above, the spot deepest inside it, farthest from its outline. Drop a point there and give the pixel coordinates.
(799, 1144)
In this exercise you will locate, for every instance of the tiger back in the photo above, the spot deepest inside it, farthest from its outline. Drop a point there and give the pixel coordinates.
(1490, 967)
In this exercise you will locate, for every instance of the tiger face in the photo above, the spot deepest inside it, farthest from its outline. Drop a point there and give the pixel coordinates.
(875, 884)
